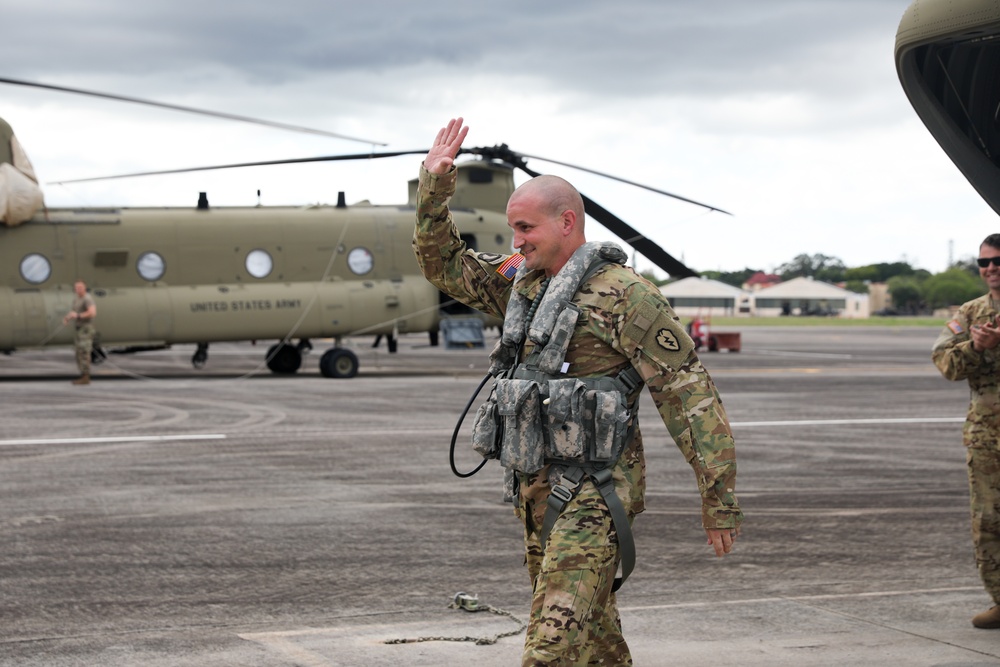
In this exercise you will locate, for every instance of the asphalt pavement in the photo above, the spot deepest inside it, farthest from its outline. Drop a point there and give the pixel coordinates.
(168, 516)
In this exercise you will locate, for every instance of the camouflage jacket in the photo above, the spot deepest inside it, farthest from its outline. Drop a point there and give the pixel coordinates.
(625, 320)
(955, 358)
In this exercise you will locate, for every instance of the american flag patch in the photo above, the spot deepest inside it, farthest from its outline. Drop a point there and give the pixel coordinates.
(955, 327)
(509, 268)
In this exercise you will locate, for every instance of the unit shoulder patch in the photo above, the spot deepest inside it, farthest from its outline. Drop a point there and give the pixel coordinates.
(666, 339)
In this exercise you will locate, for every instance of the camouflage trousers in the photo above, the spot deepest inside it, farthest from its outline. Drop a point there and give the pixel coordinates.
(84, 342)
(984, 497)
(574, 617)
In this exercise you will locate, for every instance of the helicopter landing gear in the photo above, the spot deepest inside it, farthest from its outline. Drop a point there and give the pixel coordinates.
(284, 359)
(338, 363)
(200, 356)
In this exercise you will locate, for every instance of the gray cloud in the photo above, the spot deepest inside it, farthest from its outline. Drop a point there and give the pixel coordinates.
(785, 111)
(632, 47)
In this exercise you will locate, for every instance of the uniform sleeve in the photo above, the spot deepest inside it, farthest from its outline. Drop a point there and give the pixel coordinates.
(444, 259)
(954, 355)
(686, 398)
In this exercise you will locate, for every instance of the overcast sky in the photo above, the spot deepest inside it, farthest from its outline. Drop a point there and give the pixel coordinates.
(787, 113)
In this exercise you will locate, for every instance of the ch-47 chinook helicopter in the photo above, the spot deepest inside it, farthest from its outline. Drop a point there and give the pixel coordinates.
(948, 61)
(198, 275)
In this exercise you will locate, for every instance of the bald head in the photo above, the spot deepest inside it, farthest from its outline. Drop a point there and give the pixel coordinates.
(552, 195)
(546, 215)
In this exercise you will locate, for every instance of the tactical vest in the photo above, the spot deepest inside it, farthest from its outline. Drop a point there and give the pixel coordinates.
(536, 415)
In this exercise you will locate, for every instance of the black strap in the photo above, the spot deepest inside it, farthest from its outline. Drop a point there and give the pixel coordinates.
(561, 494)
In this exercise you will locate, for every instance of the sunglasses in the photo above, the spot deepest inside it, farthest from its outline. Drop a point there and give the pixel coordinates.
(983, 262)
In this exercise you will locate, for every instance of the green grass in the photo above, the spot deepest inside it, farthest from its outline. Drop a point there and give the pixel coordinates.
(824, 322)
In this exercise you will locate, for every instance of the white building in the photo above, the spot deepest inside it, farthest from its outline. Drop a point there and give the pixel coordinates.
(805, 296)
(705, 297)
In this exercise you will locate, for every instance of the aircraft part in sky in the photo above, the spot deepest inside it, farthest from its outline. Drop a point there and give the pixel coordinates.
(176, 107)
(948, 61)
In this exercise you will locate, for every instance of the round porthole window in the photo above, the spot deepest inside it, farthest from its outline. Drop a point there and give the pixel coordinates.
(35, 268)
(259, 263)
(360, 261)
(151, 266)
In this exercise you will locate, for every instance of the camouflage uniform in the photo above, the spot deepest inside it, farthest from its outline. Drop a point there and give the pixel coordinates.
(625, 320)
(84, 339)
(955, 358)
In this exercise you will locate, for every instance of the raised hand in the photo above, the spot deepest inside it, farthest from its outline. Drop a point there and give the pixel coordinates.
(441, 156)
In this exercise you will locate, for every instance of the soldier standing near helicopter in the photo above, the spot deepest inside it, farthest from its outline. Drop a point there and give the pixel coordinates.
(82, 313)
(616, 333)
(968, 348)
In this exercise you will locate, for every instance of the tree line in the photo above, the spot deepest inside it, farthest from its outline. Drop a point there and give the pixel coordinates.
(912, 291)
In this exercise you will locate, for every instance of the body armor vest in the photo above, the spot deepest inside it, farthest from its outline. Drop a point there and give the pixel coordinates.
(536, 415)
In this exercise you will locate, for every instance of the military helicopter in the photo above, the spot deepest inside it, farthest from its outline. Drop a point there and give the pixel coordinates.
(948, 61)
(204, 274)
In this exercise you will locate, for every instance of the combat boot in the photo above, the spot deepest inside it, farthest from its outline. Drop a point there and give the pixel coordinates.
(83, 379)
(988, 620)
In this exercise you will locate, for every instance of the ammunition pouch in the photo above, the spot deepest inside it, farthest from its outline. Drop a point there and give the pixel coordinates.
(529, 421)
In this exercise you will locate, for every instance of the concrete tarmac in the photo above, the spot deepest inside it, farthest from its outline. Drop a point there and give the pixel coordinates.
(165, 516)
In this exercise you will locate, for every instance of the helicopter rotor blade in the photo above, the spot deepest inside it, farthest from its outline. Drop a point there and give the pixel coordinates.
(177, 107)
(647, 247)
(263, 163)
(627, 182)
(503, 152)
(643, 245)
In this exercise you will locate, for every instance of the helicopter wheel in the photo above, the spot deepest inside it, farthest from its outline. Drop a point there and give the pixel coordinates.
(338, 363)
(283, 359)
(200, 356)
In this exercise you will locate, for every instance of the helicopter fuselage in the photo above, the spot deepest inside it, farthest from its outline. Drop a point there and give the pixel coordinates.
(162, 276)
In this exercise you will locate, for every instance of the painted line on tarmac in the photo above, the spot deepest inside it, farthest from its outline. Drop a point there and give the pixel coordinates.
(106, 440)
(783, 353)
(802, 598)
(838, 422)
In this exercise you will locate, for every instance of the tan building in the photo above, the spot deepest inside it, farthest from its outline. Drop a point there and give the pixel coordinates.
(805, 296)
(704, 297)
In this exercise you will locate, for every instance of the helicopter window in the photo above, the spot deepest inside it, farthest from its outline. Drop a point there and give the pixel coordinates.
(360, 261)
(480, 176)
(151, 266)
(259, 263)
(35, 268)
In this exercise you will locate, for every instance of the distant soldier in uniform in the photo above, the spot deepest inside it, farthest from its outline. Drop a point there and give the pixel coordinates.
(967, 349)
(82, 313)
(577, 514)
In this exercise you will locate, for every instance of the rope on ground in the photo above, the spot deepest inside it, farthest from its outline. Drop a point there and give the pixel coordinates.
(469, 603)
